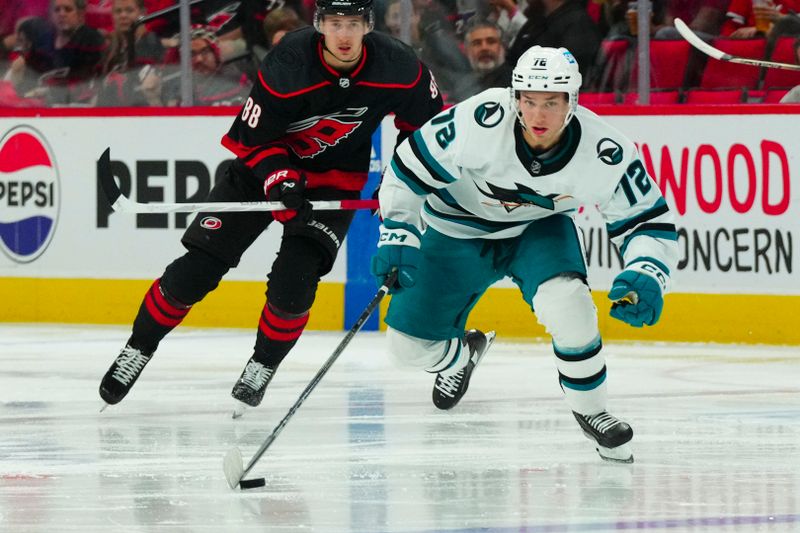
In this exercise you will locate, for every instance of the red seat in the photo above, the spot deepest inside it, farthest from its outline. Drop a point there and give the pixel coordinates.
(614, 65)
(714, 96)
(668, 60)
(783, 53)
(773, 96)
(725, 74)
(593, 99)
(656, 97)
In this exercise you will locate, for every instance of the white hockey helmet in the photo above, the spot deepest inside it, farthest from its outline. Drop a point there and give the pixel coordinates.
(547, 69)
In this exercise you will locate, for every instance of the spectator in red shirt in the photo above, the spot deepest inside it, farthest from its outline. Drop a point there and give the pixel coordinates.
(741, 20)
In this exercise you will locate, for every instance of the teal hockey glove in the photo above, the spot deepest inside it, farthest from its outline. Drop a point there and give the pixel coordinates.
(638, 294)
(398, 249)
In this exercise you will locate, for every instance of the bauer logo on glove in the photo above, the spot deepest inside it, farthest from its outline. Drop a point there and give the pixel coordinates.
(288, 186)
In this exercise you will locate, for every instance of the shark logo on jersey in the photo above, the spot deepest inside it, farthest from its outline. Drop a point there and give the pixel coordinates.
(536, 166)
(310, 137)
(609, 151)
(489, 114)
(511, 199)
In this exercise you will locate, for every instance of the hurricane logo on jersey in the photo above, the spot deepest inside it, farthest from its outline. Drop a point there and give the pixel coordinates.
(29, 194)
(512, 199)
(609, 151)
(310, 137)
(212, 223)
(489, 114)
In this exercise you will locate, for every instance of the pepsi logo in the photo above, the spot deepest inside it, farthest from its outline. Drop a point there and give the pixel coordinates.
(211, 223)
(29, 194)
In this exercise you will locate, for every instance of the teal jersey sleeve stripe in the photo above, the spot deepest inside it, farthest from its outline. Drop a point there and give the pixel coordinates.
(439, 172)
(618, 228)
(656, 234)
(412, 182)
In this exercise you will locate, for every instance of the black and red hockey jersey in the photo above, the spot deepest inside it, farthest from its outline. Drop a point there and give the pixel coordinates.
(302, 113)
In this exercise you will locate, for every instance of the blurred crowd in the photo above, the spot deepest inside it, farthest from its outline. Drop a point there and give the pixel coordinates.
(127, 52)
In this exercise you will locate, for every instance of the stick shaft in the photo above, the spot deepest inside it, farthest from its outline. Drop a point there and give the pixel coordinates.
(122, 204)
(373, 304)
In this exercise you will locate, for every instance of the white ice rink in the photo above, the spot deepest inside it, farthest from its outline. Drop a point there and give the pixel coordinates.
(717, 441)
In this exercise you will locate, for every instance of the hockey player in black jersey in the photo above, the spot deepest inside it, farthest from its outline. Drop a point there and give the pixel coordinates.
(303, 134)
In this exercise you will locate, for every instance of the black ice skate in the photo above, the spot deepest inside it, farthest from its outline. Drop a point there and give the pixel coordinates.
(124, 372)
(610, 434)
(249, 390)
(448, 390)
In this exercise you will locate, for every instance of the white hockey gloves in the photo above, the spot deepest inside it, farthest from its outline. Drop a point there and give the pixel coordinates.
(398, 248)
(638, 293)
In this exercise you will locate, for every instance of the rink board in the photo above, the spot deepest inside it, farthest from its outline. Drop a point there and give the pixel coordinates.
(730, 174)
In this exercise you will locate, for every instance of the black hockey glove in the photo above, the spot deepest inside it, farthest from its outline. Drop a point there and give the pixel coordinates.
(287, 186)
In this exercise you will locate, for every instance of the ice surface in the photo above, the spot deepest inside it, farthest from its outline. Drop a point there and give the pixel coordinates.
(717, 440)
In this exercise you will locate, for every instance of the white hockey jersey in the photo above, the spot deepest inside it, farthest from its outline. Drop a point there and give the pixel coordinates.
(469, 173)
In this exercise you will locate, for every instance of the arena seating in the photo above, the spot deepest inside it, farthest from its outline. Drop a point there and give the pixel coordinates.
(668, 60)
(724, 74)
(657, 97)
(782, 53)
(714, 96)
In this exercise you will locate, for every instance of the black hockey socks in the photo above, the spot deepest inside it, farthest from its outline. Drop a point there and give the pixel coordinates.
(158, 314)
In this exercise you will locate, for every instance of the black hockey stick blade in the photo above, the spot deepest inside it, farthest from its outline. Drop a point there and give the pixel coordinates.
(232, 462)
(106, 178)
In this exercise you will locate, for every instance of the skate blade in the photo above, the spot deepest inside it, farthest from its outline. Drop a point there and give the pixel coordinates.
(239, 409)
(490, 336)
(620, 454)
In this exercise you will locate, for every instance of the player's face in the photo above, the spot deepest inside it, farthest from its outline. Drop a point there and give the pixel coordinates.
(543, 114)
(344, 39)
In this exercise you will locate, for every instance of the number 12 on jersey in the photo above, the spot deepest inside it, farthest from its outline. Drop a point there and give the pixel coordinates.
(638, 175)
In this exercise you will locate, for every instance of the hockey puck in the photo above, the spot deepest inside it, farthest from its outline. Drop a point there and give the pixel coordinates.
(252, 483)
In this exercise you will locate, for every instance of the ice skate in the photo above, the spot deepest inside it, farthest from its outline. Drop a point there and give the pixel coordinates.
(122, 374)
(448, 390)
(610, 434)
(249, 390)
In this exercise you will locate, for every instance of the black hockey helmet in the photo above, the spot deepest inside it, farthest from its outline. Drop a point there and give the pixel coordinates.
(344, 8)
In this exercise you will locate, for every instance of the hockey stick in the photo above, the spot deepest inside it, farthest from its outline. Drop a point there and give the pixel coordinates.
(232, 463)
(122, 204)
(709, 50)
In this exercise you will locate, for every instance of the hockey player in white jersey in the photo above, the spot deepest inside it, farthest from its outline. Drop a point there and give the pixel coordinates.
(485, 190)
